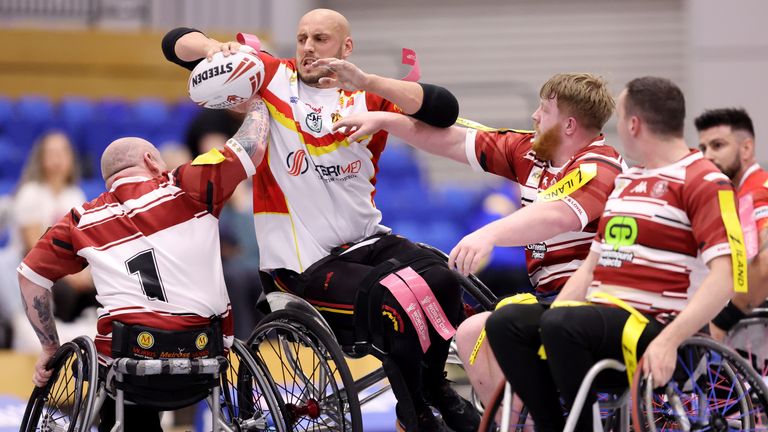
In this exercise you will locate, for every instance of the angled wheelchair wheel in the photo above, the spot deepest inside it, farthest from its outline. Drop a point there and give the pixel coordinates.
(517, 418)
(712, 389)
(308, 368)
(748, 338)
(66, 402)
(248, 397)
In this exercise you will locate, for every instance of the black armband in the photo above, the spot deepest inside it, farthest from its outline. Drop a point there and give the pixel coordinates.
(728, 317)
(169, 47)
(438, 108)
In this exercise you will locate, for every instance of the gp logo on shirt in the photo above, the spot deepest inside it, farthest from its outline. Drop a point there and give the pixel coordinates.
(621, 231)
(297, 163)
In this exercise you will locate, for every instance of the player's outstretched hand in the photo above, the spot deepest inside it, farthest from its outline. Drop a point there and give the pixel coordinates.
(471, 253)
(345, 75)
(360, 126)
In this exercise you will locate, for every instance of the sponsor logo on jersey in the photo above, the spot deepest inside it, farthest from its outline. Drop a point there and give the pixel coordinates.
(297, 163)
(538, 250)
(335, 117)
(331, 173)
(145, 340)
(620, 231)
(201, 341)
(294, 99)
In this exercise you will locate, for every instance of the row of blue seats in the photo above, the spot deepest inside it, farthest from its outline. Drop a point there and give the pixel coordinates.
(92, 125)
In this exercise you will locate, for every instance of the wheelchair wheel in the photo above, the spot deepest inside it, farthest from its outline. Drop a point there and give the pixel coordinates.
(712, 388)
(66, 402)
(747, 338)
(248, 396)
(519, 420)
(309, 370)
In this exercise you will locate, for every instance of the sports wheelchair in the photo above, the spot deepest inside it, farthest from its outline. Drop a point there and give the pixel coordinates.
(712, 388)
(748, 338)
(239, 392)
(307, 363)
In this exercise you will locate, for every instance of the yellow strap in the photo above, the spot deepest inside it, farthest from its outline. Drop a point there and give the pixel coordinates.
(525, 298)
(630, 335)
(569, 184)
(481, 127)
(212, 157)
(735, 240)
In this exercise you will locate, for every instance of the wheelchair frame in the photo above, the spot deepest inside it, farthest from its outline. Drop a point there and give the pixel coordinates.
(281, 301)
(88, 402)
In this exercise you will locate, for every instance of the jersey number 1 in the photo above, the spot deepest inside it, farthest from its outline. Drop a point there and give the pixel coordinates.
(144, 265)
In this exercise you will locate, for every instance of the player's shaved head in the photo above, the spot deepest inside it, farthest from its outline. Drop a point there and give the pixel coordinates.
(330, 19)
(125, 153)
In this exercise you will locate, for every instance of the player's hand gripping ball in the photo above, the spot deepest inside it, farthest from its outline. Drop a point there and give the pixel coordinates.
(225, 82)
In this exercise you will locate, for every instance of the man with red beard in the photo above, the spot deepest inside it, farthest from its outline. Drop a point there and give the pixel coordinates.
(565, 172)
(727, 138)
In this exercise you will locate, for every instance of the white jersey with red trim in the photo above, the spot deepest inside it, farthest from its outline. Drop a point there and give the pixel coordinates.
(152, 246)
(314, 190)
(658, 230)
(509, 153)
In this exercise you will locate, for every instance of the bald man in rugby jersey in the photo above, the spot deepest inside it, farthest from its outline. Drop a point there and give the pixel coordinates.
(316, 223)
(727, 138)
(152, 242)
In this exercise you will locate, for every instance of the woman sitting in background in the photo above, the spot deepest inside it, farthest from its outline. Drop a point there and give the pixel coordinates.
(47, 190)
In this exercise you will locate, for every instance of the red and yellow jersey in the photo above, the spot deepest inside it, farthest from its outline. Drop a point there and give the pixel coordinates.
(314, 190)
(509, 154)
(658, 230)
(754, 187)
(152, 245)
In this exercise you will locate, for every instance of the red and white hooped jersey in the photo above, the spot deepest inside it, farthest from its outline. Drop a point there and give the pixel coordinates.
(658, 230)
(509, 154)
(314, 190)
(152, 245)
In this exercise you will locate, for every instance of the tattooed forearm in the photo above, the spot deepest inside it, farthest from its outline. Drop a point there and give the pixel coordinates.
(41, 318)
(252, 135)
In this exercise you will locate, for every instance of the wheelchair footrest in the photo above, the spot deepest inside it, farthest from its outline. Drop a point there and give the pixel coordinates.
(170, 366)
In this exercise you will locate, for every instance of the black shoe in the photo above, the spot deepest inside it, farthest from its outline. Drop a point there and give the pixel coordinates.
(425, 421)
(459, 414)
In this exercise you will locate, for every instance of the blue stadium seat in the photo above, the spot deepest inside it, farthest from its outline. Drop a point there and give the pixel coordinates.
(35, 109)
(92, 187)
(6, 111)
(150, 112)
(12, 158)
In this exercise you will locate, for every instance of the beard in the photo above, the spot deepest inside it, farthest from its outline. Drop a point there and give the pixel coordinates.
(546, 143)
(731, 169)
(312, 76)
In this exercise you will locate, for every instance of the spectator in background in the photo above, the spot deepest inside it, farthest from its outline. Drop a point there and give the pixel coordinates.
(47, 190)
(239, 250)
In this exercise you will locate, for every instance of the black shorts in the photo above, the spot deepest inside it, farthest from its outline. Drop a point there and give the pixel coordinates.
(332, 283)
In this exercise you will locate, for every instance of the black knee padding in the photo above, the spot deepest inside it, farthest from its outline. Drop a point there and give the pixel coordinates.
(439, 106)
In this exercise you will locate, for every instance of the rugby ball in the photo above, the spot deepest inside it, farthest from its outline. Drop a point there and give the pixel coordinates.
(225, 82)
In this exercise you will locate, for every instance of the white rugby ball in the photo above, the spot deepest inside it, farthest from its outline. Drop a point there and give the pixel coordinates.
(225, 82)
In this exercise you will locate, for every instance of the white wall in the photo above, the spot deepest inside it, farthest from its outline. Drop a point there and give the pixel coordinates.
(728, 63)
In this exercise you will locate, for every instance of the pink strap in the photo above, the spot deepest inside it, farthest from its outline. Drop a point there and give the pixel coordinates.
(408, 302)
(409, 59)
(428, 302)
(748, 225)
(250, 40)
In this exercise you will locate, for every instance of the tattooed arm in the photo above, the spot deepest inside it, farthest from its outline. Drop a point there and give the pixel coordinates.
(252, 135)
(38, 303)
